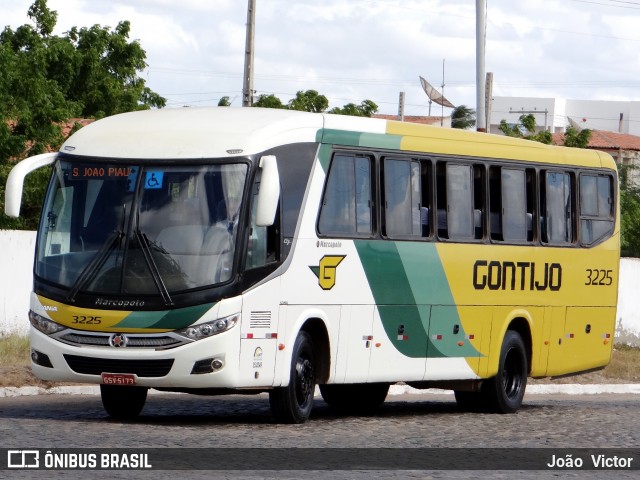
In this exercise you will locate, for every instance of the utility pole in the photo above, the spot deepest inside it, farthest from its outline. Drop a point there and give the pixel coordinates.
(247, 86)
(401, 107)
(488, 97)
(481, 29)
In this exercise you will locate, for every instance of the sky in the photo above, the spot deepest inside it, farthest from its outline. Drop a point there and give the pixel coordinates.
(352, 50)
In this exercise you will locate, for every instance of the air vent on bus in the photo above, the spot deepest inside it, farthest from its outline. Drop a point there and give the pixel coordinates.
(260, 319)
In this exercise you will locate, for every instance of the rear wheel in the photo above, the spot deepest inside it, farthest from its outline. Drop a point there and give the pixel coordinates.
(123, 403)
(356, 398)
(504, 392)
(293, 403)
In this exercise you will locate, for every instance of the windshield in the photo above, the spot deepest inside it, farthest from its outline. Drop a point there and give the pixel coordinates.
(128, 229)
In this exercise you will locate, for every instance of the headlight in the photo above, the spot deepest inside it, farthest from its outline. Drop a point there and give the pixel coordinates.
(208, 329)
(44, 324)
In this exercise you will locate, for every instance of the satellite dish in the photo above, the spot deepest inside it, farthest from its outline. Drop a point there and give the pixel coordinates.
(574, 124)
(434, 95)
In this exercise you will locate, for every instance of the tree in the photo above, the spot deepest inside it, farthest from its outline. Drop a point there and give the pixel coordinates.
(525, 128)
(312, 101)
(224, 102)
(309, 101)
(268, 101)
(47, 79)
(629, 212)
(365, 109)
(629, 223)
(575, 138)
(463, 117)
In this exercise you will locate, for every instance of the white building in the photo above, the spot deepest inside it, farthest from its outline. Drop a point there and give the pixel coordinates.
(552, 113)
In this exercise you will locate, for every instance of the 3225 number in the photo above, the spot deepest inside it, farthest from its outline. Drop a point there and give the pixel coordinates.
(598, 277)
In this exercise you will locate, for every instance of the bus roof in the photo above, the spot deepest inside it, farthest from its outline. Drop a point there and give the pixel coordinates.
(194, 133)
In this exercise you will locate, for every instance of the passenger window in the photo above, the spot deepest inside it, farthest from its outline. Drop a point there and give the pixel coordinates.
(406, 212)
(557, 208)
(346, 204)
(511, 200)
(460, 201)
(596, 208)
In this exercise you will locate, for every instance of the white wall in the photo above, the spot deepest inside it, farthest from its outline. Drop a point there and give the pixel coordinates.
(16, 262)
(16, 267)
(592, 114)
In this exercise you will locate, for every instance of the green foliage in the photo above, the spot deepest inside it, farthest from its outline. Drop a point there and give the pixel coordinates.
(365, 109)
(35, 185)
(312, 101)
(46, 79)
(269, 101)
(573, 138)
(525, 128)
(463, 117)
(309, 101)
(629, 213)
(224, 102)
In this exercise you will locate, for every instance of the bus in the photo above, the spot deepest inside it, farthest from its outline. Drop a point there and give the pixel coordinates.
(246, 250)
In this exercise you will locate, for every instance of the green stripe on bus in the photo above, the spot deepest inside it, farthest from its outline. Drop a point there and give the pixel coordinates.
(359, 139)
(406, 280)
(172, 320)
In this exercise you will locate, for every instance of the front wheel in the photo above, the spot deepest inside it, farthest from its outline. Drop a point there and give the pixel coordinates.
(293, 403)
(123, 403)
(504, 392)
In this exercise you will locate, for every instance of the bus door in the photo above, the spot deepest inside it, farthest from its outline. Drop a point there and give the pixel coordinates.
(399, 343)
(355, 343)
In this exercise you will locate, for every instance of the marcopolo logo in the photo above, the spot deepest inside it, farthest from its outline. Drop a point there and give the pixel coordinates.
(326, 270)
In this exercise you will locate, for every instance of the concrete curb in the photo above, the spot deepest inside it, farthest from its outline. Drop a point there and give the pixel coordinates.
(562, 389)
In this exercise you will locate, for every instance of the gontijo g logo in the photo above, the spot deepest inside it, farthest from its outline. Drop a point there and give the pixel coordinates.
(326, 270)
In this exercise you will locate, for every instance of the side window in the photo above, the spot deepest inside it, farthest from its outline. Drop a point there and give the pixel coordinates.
(460, 202)
(405, 207)
(596, 208)
(346, 204)
(512, 199)
(557, 208)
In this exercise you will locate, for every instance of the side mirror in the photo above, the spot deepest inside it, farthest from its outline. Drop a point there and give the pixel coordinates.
(269, 192)
(15, 181)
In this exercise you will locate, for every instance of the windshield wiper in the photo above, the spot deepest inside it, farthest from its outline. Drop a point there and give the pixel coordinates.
(95, 265)
(97, 262)
(145, 246)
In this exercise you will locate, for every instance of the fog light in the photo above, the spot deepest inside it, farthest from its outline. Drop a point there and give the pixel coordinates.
(217, 364)
(41, 359)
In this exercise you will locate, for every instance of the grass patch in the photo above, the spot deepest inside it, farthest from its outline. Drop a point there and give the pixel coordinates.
(625, 364)
(14, 350)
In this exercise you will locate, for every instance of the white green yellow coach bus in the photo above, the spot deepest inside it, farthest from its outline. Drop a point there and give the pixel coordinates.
(242, 250)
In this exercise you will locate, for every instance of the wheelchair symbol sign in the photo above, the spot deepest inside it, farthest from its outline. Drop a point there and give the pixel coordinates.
(153, 180)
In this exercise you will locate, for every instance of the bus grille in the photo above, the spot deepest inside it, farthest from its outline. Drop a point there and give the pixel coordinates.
(97, 366)
(158, 342)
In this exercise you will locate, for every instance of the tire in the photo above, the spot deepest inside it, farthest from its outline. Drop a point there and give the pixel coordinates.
(293, 403)
(504, 392)
(123, 403)
(355, 398)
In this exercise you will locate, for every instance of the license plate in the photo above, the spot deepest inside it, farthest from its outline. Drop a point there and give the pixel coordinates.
(118, 379)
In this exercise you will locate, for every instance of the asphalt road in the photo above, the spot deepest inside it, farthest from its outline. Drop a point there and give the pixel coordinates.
(554, 422)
